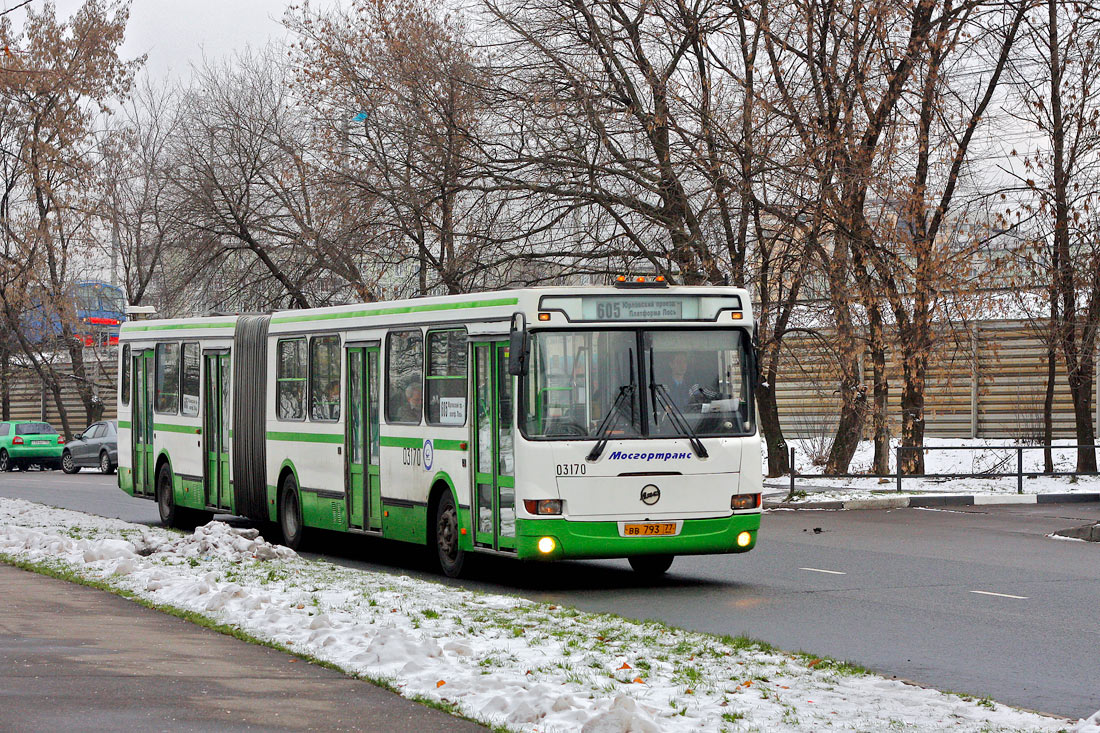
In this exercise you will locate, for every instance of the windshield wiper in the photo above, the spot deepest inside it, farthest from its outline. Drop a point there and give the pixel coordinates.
(660, 396)
(626, 391)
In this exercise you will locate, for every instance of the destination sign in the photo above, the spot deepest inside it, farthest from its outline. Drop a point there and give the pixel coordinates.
(640, 307)
(620, 308)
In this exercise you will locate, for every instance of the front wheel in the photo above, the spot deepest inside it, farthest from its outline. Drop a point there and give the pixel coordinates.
(651, 566)
(67, 463)
(166, 500)
(6, 464)
(290, 514)
(451, 556)
(105, 465)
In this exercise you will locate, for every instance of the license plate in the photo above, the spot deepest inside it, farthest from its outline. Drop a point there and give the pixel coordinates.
(649, 529)
(40, 442)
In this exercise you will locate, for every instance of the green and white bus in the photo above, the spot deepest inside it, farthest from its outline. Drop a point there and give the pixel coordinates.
(542, 423)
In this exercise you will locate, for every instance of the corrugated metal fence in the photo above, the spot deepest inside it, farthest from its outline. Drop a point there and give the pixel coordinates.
(987, 379)
(30, 399)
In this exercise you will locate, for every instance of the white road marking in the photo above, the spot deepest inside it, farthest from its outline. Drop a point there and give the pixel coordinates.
(999, 595)
(819, 570)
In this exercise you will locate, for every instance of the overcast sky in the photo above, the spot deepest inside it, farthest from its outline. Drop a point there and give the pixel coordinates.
(176, 33)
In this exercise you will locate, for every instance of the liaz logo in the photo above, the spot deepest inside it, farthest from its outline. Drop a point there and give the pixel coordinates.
(650, 495)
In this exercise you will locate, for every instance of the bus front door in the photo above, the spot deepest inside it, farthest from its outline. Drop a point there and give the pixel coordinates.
(494, 432)
(215, 430)
(361, 439)
(142, 423)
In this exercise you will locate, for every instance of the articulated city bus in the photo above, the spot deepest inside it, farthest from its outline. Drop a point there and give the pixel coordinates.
(542, 424)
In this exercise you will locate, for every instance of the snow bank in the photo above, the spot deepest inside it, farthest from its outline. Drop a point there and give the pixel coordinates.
(503, 660)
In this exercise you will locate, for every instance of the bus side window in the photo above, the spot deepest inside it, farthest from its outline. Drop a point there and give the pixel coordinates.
(125, 378)
(290, 379)
(445, 391)
(324, 378)
(167, 379)
(404, 376)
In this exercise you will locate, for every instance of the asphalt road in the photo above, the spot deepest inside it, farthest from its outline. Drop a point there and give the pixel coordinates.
(976, 600)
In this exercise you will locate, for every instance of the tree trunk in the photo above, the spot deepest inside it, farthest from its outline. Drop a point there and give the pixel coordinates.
(1080, 389)
(779, 462)
(5, 384)
(1048, 409)
(853, 411)
(914, 369)
(880, 415)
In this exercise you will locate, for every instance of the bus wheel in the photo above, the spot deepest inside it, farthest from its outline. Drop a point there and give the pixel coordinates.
(451, 557)
(166, 500)
(290, 514)
(651, 566)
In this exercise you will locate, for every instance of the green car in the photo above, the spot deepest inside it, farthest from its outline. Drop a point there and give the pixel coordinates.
(26, 442)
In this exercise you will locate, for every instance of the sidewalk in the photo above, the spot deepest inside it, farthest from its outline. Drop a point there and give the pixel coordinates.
(77, 658)
(776, 499)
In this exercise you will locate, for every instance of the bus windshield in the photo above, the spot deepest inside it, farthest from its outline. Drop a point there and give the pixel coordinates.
(644, 383)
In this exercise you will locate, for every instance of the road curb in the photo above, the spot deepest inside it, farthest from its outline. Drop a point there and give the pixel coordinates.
(932, 500)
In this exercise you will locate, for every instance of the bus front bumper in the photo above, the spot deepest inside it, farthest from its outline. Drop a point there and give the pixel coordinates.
(575, 539)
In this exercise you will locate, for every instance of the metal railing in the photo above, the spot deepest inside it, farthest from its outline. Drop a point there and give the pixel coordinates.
(1019, 473)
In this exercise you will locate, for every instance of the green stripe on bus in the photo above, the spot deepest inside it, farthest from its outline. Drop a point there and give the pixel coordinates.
(170, 428)
(127, 328)
(123, 423)
(396, 311)
(391, 441)
(307, 437)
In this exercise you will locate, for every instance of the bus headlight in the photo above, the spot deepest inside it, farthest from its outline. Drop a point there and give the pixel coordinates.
(744, 539)
(542, 506)
(745, 501)
(546, 545)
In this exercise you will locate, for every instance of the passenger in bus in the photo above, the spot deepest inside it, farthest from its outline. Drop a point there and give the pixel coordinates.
(414, 403)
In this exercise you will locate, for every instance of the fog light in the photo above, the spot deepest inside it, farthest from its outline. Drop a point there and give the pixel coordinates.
(546, 545)
(743, 540)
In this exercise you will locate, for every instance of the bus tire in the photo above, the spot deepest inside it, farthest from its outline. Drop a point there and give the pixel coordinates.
(651, 566)
(451, 557)
(166, 499)
(67, 463)
(290, 513)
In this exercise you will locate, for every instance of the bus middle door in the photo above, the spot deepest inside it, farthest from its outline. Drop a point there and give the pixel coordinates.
(494, 465)
(361, 467)
(215, 434)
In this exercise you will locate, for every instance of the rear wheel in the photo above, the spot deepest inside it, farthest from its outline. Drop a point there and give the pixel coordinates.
(67, 463)
(651, 566)
(451, 557)
(105, 465)
(290, 514)
(6, 464)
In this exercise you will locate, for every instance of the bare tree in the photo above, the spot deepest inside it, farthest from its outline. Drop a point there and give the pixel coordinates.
(1057, 79)
(59, 76)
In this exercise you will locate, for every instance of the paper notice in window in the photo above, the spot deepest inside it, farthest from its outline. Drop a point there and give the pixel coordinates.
(452, 410)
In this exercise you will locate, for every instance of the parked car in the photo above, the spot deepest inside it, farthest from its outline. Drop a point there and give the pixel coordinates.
(24, 443)
(96, 447)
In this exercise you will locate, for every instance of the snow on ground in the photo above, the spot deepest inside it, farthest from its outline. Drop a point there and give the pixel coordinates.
(985, 455)
(502, 660)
